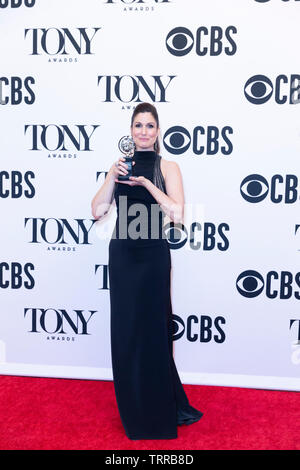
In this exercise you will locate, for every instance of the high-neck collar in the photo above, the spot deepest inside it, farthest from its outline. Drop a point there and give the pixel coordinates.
(145, 155)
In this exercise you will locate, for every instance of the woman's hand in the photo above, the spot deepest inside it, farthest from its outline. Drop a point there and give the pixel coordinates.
(120, 168)
(135, 181)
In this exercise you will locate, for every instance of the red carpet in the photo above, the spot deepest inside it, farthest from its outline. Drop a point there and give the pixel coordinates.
(49, 414)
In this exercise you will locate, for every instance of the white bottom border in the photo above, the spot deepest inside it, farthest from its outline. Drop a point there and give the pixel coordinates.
(93, 373)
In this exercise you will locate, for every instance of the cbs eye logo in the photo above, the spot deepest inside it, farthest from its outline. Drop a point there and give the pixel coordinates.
(177, 140)
(278, 285)
(259, 89)
(255, 188)
(250, 284)
(209, 140)
(207, 236)
(177, 236)
(208, 41)
(178, 327)
(180, 41)
(199, 328)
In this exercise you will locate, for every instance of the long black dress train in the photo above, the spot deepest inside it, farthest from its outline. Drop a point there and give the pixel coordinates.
(150, 397)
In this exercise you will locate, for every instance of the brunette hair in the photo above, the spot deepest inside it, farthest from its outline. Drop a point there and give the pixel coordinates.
(147, 108)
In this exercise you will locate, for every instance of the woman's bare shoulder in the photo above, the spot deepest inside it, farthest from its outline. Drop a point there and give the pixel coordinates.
(167, 166)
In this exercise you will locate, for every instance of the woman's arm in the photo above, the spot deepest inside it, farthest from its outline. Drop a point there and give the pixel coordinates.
(171, 203)
(103, 198)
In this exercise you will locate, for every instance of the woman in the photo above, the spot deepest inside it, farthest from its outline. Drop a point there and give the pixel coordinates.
(149, 394)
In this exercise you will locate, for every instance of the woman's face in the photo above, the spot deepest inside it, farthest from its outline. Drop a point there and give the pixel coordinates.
(144, 131)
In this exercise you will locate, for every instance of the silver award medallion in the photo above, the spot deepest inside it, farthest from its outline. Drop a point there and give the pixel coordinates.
(126, 146)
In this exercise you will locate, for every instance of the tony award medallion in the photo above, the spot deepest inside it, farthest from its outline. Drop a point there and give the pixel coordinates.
(126, 146)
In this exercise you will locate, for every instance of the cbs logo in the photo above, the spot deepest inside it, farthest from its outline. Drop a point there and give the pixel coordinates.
(212, 236)
(18, 90)
(17, 275)
(251, 283)
(255, 188)
(210, 141)
(199, 328)
(16, 184)
(286, 89)
(16, 3)
(214, 41)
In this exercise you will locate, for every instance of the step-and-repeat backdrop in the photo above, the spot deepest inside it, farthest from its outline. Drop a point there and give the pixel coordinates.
(225, 78)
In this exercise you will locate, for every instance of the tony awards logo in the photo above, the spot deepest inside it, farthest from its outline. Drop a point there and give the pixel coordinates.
(126, 146)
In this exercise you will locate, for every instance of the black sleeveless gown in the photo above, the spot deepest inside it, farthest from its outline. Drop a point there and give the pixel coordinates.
(150, 397)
